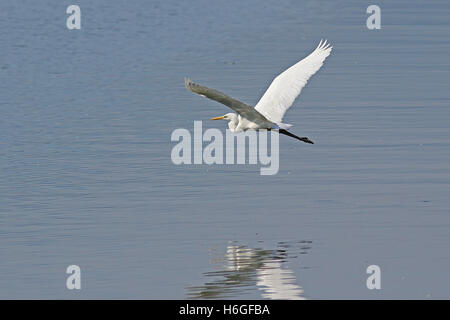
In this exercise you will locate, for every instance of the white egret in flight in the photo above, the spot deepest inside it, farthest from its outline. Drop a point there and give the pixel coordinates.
(279, 97)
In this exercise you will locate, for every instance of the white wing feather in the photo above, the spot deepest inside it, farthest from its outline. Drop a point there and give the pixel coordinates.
(287, 86)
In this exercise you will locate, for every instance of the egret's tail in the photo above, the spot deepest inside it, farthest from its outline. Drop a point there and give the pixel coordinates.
(284, 126)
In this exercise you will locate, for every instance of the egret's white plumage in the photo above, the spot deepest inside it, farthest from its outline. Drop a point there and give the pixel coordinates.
(283, 90)
(279, 97)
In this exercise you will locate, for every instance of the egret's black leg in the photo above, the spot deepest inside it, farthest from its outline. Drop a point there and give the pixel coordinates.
(304, 139)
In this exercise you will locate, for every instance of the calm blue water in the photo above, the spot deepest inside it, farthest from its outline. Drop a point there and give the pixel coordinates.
(86, 176)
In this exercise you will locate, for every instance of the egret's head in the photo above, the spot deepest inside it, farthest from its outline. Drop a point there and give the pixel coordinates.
(228, 117)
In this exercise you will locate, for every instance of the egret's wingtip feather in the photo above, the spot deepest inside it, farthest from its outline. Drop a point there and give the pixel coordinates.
(323, 45)
(320, 44)
(189, 83)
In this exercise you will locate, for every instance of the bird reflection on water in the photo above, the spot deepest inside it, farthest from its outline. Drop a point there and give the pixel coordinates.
(243, 271)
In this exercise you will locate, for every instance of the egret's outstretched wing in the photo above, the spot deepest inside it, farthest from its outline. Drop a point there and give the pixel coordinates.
(288, 85)
(241, 108)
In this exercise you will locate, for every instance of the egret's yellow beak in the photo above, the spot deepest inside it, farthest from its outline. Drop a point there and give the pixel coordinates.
(218, 118)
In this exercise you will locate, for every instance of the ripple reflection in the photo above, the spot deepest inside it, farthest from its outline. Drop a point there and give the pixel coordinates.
(243, 271)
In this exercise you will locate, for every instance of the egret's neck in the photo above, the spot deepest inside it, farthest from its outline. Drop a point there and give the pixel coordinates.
(233, 123)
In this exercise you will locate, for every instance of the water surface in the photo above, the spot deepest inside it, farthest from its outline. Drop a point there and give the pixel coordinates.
(86, 176)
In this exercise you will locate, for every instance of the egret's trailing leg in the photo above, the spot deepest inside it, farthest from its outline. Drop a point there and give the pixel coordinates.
(304, 139)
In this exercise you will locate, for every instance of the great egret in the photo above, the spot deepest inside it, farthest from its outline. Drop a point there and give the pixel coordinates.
(279, 97)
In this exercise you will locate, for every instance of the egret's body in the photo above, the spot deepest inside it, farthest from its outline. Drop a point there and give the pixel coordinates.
(279, 97)
(237, 123)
